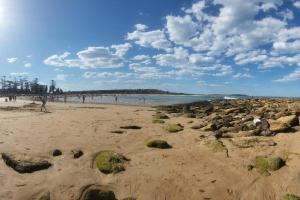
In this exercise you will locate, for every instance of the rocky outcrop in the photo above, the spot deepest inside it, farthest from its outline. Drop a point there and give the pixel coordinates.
(22, 163)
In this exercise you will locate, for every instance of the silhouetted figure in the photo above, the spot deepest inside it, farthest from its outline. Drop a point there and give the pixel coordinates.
(116, 99)
(65, 98)
(83, 99)
(44, 101)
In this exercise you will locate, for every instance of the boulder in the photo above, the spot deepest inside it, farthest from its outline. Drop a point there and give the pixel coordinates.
(284, 124)
(25, 164)
(110, 162)
(265, 164)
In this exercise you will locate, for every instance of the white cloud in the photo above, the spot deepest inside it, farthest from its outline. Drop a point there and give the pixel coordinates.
(92, 57)
(97, 75)
(291, 77)
(12, 60)
(155, 39)
(19, 73)
(27, 65)
(181, 29)
(178, 58)
(297, 4)
(242, 75)
(61, 77)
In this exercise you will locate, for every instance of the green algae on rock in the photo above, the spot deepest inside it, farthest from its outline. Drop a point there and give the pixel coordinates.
(110, 162)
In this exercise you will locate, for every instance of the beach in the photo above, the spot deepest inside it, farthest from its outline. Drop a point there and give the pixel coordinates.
(190, 170)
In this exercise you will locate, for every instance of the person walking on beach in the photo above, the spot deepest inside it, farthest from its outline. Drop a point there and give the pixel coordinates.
(44, 101)
(116, 99)
(65, 98)
(83, 99)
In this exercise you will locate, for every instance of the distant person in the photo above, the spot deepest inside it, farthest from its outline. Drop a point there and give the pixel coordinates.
(116, 99)
(44, 101)
(83, 99)
(65, 98)
(144, 100)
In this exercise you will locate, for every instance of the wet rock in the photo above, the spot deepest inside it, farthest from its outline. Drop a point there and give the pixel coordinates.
(94, 192)
(77, 153)
(247, 142)
(160, 144)
(25, 164)
(110, 162)
(56, 152)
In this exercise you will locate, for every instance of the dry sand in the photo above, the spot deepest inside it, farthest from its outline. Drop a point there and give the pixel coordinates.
(188, 171)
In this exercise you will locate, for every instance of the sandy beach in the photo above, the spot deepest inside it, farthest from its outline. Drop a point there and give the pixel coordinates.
(189, 170)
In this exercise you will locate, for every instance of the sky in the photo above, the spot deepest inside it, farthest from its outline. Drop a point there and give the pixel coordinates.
(194, 46)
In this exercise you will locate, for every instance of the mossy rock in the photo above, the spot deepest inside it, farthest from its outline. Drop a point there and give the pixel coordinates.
(110, 162)
(158, 121)
(117, 132)
(290, 197)
(160, 144)
(266, 164)
(174, 128)
(161, 116)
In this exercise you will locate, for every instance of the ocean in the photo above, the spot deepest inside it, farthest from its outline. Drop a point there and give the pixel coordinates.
(149, 100)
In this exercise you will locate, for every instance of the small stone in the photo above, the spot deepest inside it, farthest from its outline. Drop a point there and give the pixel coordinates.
(77, 153)
(57, 152)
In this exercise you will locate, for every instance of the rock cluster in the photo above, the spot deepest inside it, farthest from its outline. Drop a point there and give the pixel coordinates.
(256, 117)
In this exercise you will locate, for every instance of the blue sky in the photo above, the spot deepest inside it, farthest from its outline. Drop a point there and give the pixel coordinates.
(196, 46)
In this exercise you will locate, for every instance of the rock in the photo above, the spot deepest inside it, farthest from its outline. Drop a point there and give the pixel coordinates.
(45, 195)
(291, 120)
(130, 127)
(290, 197)
(129, 198)
(158, 121)
(25, 164)
(94, 192)
(284, 124)
(247, 142)
(174, 128)
(77, 153)
(161, 116)
(110, 162)
(56, 152)
(197, 126)
(266, 164)
(218, 134)
(160, 144)
(117, 132)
